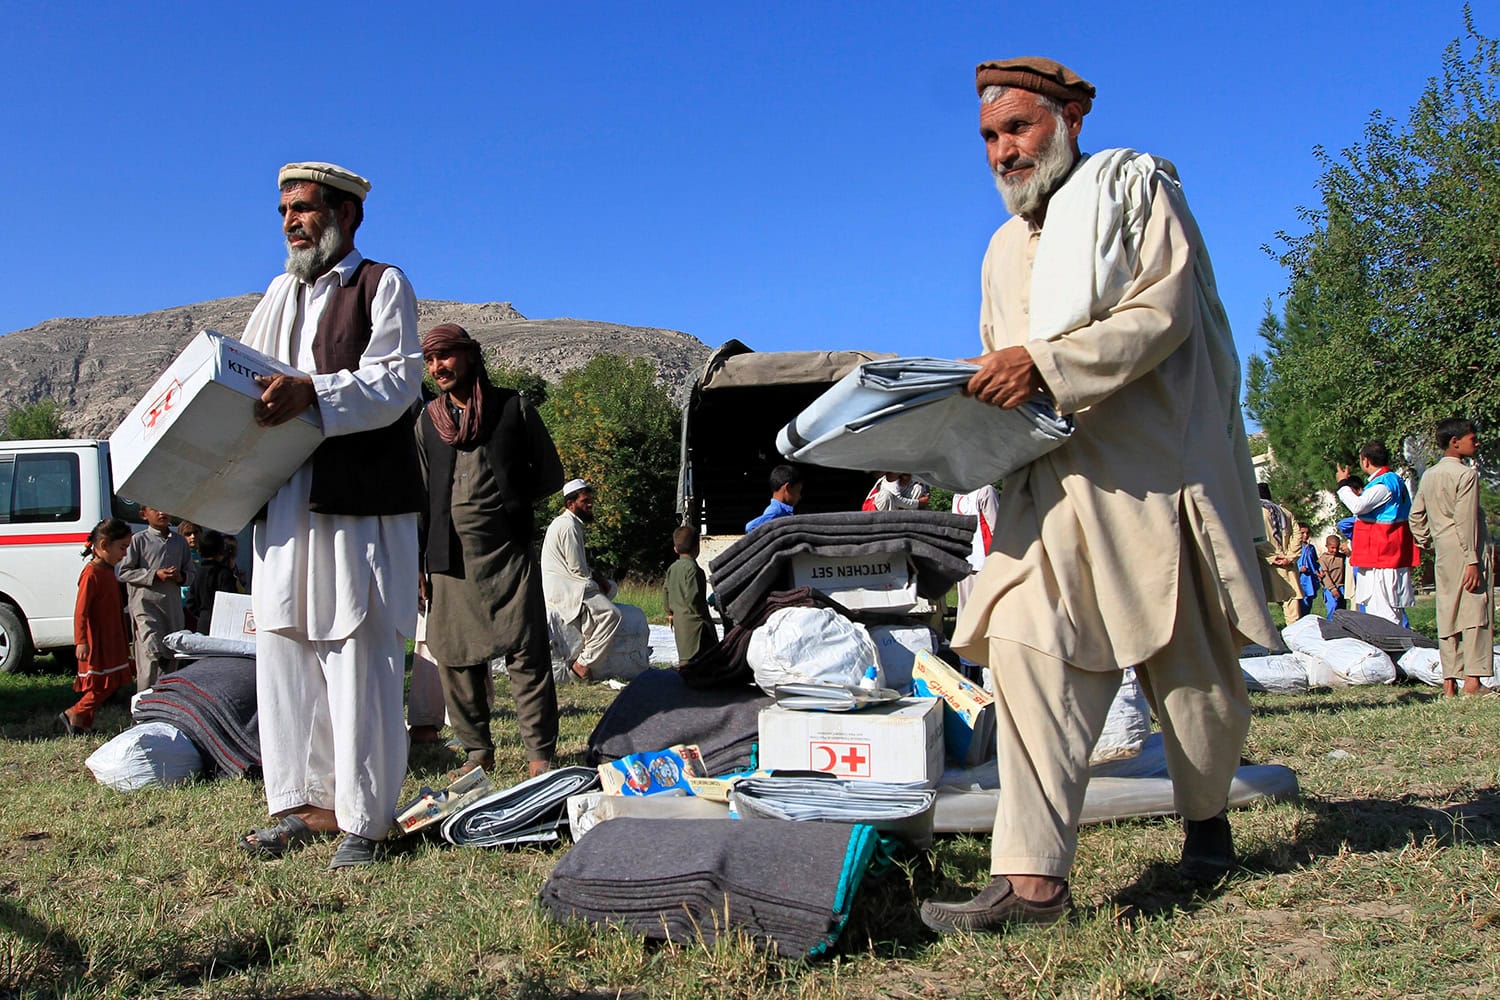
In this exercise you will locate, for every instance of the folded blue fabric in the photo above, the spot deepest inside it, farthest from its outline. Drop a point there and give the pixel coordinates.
(910, 414)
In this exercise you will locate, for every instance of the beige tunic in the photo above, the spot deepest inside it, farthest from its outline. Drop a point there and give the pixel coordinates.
(1446, 517)
(1085, 563)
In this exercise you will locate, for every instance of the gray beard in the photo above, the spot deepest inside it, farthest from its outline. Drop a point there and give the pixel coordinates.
(308, 264)
(1052, 165)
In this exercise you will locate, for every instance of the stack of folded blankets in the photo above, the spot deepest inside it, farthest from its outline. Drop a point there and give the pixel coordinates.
(213, 702)
(1385, 635)
(788, 886)
(937, 544)
(529, 813)
(658, 710)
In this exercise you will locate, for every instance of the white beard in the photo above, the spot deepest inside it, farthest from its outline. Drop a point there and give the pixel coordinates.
(308, 263)
(1050, 167)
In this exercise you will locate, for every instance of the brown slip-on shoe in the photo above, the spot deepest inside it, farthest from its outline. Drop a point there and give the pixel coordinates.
(996, 907)
(1207, 849)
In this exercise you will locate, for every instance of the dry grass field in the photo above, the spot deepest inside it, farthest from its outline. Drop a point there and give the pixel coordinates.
(1383, 882)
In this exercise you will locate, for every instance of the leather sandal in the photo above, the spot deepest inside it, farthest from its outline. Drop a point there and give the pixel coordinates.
(353, 851)
(537, 767)
(996, 907)
(290, 832)
(69, 727)
(478, 761)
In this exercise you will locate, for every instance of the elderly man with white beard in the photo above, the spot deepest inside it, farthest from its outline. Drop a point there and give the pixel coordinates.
(1133, 543)
(335, 583)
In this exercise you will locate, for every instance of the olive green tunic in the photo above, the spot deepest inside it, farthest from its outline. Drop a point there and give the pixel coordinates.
(687, 603)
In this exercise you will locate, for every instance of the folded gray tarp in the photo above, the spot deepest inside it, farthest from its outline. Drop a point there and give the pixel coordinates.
(1384, 635)
(898, 810)
(789, 886)
(937, 543)
(909, 414)
(528, 813)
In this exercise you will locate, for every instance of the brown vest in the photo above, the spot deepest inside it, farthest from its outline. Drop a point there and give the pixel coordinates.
(371, 473)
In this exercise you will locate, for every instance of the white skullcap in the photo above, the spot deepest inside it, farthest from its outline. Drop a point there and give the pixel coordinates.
(573, 486)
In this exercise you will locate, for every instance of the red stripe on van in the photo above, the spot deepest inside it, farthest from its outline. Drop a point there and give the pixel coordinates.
(71, 538)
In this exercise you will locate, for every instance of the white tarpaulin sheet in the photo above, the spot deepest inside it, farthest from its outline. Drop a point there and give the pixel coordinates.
(910, 414)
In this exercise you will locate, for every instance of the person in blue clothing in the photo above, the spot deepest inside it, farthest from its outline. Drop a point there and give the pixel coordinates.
(1307, 570)
(786, 490)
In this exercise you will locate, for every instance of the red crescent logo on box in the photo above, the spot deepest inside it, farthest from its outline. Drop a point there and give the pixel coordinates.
(161, 404)
(852, 760)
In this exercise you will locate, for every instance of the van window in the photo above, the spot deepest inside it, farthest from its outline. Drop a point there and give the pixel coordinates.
(39, 488)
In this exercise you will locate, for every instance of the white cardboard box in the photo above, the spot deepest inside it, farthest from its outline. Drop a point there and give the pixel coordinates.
(232, 617)
(899, 741)
(881, 582)
(191, 446)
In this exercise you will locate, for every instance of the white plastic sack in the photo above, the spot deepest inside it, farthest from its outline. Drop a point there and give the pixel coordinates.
(1320, 673)
(1127, 725)
(150, 754)
(629, 655)
(1281, 674)
(1422, 665)
(1303, 634)
(811, 644)
(1358, 662)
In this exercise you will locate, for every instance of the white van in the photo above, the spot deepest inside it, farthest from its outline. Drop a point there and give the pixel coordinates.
(52, 493)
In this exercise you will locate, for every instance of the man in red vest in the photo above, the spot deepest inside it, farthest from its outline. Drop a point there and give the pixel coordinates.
(1383, 547)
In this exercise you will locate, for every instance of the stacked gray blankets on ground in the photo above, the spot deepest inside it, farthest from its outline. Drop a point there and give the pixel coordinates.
(900, 811)
(760, 562)
(529, 813)
(789, 886)
(1385, 635)
(657, 710)
(213, 702)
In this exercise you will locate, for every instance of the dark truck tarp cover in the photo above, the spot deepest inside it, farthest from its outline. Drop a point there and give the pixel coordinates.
(735, 408)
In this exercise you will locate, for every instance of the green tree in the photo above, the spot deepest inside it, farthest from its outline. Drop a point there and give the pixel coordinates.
(616, 426)
(1392, 317)
(34, 422)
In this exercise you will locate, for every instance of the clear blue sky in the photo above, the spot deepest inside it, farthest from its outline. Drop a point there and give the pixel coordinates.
(798, 175)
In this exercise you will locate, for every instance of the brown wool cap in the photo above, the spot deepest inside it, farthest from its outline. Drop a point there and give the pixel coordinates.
(1042, 76)
(331, 174)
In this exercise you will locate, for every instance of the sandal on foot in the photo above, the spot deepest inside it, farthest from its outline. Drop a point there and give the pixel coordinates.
(68, 727)
(537, 767)
(291, 831)
(581, 672)
(353, 851)
(476, 762)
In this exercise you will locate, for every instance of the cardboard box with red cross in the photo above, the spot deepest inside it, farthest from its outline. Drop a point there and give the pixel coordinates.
(898, 741)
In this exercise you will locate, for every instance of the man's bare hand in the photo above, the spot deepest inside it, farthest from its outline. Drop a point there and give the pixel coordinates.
(1340, 473)
(284, 398)
(1006, 378)
(1470, 581)
(169, 576)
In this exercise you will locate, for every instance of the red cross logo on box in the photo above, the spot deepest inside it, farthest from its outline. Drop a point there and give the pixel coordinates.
(161, 404)
(849, 760)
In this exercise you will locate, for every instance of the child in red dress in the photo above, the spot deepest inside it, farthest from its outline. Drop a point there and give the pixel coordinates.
(103, 647)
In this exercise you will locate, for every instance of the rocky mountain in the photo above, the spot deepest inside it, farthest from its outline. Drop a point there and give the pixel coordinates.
(98, 367)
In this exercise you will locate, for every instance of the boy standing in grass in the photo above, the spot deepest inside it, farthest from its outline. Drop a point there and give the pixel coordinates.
(1331, 573)
(687, 597)
(1446, 518)
(154, 571)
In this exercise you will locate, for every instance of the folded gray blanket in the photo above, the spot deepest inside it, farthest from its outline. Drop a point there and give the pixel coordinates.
(760, 562)
(900, 811)
(657, 710)
(213, 702)
(529, 813)
(1383, 634)
(789, 886)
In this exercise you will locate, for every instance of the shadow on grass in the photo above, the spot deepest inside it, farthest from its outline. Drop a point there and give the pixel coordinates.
(1310, 704)
(59, 958)
(1364, 826)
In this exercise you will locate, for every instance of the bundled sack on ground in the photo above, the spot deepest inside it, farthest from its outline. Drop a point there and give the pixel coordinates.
(1424, 666)
(937, 544)
(1335, 660)
(148, 755)
(658, 710)
(629, 653)
(725, 664)
(811, 645)
(213, 702)
(789, 886)
(1281, 673)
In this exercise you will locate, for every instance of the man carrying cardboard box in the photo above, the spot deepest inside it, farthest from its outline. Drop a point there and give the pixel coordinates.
(1133, 543)
(335, 582)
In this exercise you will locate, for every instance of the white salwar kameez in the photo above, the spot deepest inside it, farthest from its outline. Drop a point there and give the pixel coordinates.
(1383, 591)
(335, 595)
